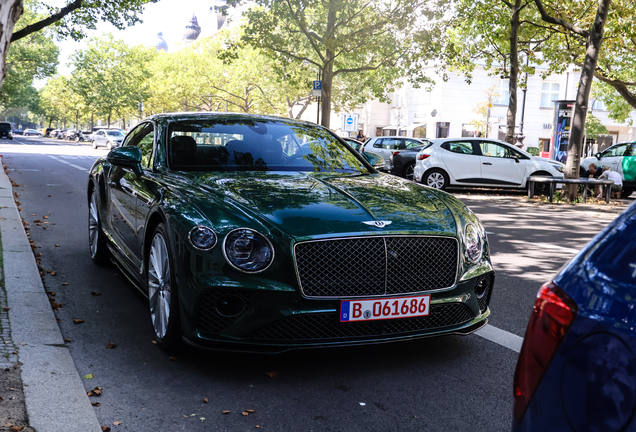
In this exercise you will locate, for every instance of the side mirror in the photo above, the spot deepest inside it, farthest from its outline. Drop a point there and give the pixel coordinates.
(598, 156)
(126, 157)
(375, 160)
(516, 158)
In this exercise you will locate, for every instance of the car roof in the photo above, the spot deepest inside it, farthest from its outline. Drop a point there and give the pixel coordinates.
(181, 116)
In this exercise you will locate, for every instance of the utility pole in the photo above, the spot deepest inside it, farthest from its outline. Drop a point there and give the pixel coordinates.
(318, 99)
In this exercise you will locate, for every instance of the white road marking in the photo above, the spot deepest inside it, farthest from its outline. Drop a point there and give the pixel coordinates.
(22, 169)
(69, 164)
(501, 337)
(489, 233)
(551, 246)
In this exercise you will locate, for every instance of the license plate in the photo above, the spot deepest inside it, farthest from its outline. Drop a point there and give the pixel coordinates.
(380, 309)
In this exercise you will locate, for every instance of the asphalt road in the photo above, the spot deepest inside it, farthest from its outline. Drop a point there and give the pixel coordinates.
(450, 383)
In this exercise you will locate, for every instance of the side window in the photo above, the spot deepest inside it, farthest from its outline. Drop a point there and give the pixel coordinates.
(631, 151)
(143, 137)
(495, 150)
(618, 150)
(412, 143)
(462, 147)
(378, 143)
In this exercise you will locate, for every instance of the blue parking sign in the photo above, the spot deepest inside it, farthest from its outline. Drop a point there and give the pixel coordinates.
(317, 85)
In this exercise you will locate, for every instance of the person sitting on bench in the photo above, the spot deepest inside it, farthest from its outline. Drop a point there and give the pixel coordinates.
(617, 187)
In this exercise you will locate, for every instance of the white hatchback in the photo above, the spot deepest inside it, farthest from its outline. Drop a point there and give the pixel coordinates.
(480, 162)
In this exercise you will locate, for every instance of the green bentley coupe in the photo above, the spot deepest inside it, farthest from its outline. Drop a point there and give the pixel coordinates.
(256, 233)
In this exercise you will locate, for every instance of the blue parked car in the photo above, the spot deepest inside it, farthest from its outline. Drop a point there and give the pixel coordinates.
(577, 370)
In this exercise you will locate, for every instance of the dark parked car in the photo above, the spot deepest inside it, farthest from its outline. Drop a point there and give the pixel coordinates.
(576, 370)
(402, 162)
(18, 132)
(6, 130)
(263, 233)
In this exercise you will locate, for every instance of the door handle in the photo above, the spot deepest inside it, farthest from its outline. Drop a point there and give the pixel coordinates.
(487, 163)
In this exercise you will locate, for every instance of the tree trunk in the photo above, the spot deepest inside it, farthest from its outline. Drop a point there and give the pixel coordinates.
(327, 70)
(577, 130)
(514, 72)
(10, 12)
(92, 122)
(109, 114)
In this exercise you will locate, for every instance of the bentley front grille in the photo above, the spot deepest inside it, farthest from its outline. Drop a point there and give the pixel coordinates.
(376, 266)
(326, 326)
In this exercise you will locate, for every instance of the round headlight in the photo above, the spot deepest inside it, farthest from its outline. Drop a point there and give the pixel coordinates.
(473, 243)
(248, 250)
(202, 237)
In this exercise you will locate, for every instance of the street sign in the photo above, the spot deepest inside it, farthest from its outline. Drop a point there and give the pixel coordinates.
(317, 89)
(350, 122)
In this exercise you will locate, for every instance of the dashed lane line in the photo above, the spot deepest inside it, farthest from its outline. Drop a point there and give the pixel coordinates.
(69, 164)
(501, 337)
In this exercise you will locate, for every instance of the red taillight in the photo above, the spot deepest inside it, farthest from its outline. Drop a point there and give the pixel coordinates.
(422, 156)
(395, 153)
(362, 150)
(550, 321)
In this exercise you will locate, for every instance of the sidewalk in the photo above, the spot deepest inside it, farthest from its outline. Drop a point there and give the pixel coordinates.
(31, 341)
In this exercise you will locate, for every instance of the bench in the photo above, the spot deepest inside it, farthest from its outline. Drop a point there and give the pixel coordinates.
(553, 181)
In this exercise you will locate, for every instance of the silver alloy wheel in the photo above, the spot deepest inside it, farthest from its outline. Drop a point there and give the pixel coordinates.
(435, 180)
(409, 172)
(93, 225)
(159, 285)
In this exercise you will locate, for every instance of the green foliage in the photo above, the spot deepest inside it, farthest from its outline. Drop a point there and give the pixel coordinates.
(355, 44)
(594, 127)
(111, 77)
(534, 151)
(33, 57)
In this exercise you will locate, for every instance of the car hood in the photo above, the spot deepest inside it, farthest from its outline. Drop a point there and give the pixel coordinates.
(315, 205)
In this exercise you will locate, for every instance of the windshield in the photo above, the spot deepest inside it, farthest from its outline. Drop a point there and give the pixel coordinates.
(114, 133)
(257, 145)
(5, 126)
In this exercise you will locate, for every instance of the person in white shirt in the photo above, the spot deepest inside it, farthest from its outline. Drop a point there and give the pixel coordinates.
(611, 175)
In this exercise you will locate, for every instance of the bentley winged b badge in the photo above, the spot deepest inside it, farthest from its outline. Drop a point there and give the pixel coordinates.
(377, 224)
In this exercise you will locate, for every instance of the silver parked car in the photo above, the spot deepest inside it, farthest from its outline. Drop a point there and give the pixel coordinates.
(109, 138)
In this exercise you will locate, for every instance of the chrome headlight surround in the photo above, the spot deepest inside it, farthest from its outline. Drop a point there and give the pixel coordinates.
(473, 243)
(247, 250)
(202, 237)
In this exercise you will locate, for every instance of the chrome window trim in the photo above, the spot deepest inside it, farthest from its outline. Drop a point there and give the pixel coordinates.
(383, 237)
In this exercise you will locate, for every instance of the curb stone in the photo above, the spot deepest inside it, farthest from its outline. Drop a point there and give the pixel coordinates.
(55, 397)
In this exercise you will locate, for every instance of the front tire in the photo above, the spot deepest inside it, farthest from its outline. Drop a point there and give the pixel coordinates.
(436, 178)
(163, 293)
(94, 145)
(109, 146)
(96, 238)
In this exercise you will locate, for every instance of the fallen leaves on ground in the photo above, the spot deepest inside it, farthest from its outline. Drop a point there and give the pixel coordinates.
(53, 273)
(117, 423)
(51, 293)
(64, 283)
(248, 412)
(57, 245)
(104, 428)
(272, 374)
(111, 345)
(226, 411)
(172, 358)
(16, 428)
(67, 340)
(78, 321)
(96, 293)
(97, 391)
(6, 309)
(88, 376)
(205, 400)
(95, 404)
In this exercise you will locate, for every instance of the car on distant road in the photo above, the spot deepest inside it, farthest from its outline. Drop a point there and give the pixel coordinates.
(6, 130)
(385, 145)
(31, 132)
(18, 132)
(481, 162)
(262, 233)
(109, 138)
(576, 371)
(402, 162)
(621, 158)
(53, 133)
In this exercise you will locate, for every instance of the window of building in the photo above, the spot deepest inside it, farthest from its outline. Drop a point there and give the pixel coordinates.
(378, 131)
(468, 130)
(501, 133)
(598, 105)
(389, 132)
(544, 144)
(549, 93)
(504, 92)
(419, 132)
(442, 129)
